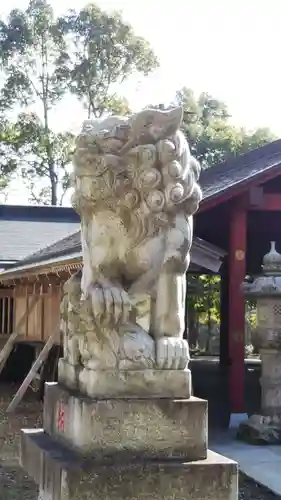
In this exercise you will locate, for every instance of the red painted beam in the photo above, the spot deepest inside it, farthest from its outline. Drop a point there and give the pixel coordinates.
(269, 202)
(239, 188)
(236, 317)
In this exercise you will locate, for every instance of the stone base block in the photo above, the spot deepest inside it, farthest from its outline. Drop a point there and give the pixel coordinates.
(126, 428)
(259, 429)
(62, 475)
(125, 383)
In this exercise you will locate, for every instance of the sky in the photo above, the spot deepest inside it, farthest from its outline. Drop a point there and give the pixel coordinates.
(228, 48)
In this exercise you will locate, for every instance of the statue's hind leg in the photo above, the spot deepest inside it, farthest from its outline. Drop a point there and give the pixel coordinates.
(168, 321)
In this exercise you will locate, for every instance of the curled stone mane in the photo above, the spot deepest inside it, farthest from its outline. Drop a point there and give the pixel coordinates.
(136, 170)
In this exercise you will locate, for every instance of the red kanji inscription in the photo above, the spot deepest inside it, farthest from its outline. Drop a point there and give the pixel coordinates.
(61, 415)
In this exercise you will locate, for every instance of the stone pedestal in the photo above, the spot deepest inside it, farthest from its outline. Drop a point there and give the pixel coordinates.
(125, 448)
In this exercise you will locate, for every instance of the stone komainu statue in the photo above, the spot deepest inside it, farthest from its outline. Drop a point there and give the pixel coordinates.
(135, 188)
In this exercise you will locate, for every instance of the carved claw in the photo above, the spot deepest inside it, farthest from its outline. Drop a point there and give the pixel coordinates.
(172, 353)
(110, 303)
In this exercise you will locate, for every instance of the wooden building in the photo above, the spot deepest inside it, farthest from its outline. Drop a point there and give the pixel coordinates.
(25, 230)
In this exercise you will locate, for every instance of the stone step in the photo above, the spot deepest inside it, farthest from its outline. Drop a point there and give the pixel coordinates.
(62, 474)
(127, 428)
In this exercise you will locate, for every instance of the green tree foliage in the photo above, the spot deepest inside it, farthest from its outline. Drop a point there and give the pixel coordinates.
(33, 146)
(33, 52)
(211, 136)
(104, 51)
(87, 54)
(8, 159)
(203, 304)
(44, 58)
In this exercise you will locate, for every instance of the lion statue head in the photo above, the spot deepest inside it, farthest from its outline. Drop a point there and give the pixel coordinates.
(139, 167)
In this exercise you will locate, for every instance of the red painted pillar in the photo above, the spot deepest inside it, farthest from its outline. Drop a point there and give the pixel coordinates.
(236, 317)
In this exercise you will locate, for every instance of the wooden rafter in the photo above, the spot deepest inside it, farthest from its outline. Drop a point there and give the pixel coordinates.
(51, 275)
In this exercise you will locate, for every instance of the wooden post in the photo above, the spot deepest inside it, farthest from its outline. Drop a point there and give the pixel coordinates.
(236, 315)
(32, 373)
(224, 316)
(224, 410)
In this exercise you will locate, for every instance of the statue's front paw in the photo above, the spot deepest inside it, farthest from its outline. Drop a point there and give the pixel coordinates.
(110, 303)
(172, 353)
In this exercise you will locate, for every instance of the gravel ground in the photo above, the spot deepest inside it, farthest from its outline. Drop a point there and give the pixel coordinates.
(15, 485)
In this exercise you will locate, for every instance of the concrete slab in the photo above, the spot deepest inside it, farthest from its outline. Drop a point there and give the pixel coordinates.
(261, 463)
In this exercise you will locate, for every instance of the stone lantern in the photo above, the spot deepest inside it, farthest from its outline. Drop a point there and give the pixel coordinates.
(266, 289)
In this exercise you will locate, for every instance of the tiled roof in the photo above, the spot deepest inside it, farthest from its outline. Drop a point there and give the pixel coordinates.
(25, 230)
(19, 239)
(63, 247)
(71, 245)
(224, 176)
